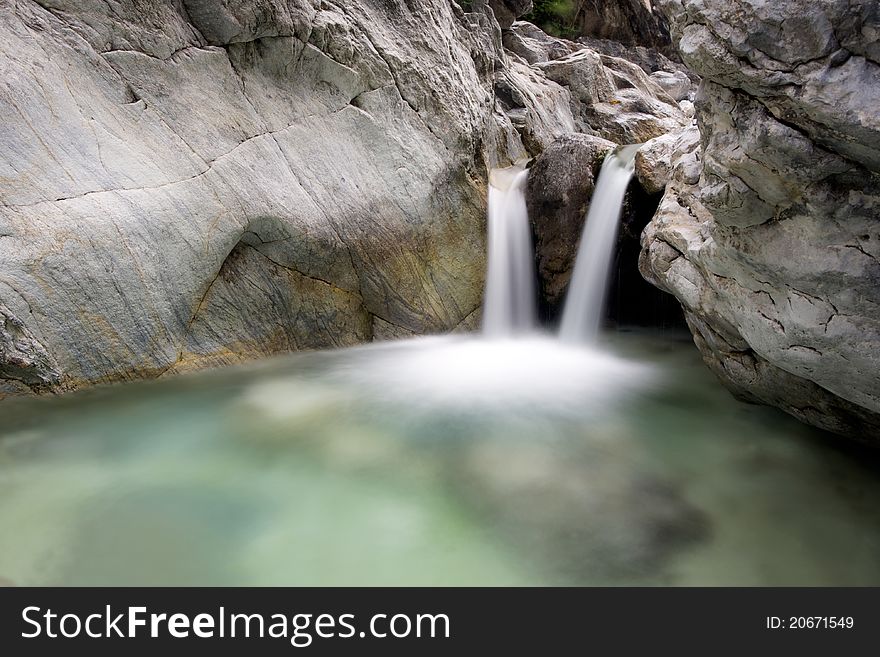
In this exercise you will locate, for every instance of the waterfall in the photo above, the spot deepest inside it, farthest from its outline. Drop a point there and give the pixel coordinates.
(585, 300)
(509, 306)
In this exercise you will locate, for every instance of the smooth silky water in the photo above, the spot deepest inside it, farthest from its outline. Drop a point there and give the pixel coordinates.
(437, 461)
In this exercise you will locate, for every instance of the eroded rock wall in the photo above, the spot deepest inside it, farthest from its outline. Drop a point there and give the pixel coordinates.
(769, 232)
(197, 182)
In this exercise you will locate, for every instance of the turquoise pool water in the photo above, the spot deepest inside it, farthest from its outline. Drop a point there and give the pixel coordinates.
(433, 462)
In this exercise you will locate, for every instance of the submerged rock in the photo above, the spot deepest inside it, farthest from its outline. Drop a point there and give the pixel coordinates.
(598, 516)
(768, 232)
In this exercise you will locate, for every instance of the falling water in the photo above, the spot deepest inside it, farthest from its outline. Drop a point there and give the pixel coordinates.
(586, 293)
(510, 284)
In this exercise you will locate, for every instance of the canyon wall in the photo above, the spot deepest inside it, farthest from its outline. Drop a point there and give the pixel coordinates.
(193, 183)
(769, 230)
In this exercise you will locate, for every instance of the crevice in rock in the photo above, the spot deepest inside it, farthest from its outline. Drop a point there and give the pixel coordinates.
(777, 325)
(804, 347)
(211, 164)
(388, 321)
(208, 49)
(297, 271)
(858, 247)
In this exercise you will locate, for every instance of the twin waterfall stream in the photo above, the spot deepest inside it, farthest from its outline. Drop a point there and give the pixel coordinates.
(510, 302)
(511, 458)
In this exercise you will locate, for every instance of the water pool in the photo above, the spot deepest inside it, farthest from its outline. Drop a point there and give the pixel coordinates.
(443, 461)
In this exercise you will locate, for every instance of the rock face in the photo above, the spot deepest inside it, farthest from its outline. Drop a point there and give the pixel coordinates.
(199, 182)
(614, 98)
(194, 183)
(769, 232)
(630, 22)
(608, 96)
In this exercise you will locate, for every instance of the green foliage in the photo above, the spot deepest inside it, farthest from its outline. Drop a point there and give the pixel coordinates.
(554, 17)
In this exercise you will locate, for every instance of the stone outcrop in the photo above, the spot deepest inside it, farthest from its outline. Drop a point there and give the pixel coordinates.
(195, 183)
(769, 231)
(610, 97)
(561, 184)
(22, 358)
(534, 45)
(614, 98)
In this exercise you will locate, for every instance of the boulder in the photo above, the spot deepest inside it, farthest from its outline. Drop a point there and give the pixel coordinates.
(677, 84)
(654, 159)
(560, 188)
(534, 45)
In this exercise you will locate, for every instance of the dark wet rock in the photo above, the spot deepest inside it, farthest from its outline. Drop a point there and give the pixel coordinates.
(560, 187)
(630, 22)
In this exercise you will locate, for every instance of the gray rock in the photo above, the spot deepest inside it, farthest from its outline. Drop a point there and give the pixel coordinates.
(507, 11)
(22, 358)
(630, 22)
(649, 59)
(534, 45)
(195, 183)
(613, 98)
(768, 232)
(540, 109)
(788, 54)
(677, 84)
(654, 160)
(560, 188)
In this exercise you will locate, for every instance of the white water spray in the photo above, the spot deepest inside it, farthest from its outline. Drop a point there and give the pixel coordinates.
(585, 301)
(509, 306)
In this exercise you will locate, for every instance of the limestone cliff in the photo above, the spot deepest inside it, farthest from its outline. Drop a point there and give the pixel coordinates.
(769, 232)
